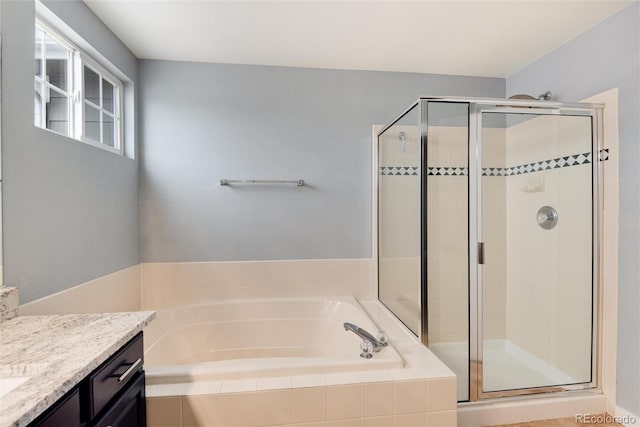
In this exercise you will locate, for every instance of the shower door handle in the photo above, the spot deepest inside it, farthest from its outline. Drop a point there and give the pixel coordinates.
(481, 253)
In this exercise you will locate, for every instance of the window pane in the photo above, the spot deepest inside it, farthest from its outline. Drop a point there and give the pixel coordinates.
(108, 92)
(108, 130)
(57, 57)
(91, 123)
(39, 52)
(91, 86)
(57, 111)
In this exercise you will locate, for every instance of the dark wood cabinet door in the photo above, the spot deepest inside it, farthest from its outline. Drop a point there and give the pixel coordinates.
(129, 410)
(65, 412)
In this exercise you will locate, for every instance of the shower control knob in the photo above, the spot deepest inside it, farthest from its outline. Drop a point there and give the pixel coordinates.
(547, 217)
(542, 217)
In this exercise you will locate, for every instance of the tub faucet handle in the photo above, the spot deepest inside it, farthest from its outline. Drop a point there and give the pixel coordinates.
(367, 349)
(377, 345)
(383, 339)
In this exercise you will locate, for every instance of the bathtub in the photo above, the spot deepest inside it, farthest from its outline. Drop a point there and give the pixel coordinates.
(258, 339)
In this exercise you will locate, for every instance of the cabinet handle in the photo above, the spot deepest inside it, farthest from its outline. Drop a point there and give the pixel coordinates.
(129, 370)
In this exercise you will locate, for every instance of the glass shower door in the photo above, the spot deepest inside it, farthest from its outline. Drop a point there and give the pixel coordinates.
(536, 256)
(399, 219)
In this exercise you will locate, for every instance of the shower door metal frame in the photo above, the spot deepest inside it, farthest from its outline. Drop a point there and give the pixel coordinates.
(478, 106)
(594, 111)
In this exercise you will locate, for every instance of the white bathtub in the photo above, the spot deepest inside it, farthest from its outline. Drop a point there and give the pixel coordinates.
(259, 338)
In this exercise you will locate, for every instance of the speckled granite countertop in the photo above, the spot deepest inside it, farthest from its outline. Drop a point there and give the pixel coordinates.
(57, 352)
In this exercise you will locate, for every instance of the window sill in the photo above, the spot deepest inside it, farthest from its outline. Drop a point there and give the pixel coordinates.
(86, 141)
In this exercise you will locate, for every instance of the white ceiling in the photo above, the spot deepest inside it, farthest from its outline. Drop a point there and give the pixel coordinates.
(475, 37)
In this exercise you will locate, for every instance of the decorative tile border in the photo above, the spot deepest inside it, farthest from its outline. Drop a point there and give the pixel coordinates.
(447, 171)
(398, 170)
(559, 162)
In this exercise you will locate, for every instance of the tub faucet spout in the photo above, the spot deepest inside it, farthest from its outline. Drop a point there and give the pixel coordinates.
(375, 342)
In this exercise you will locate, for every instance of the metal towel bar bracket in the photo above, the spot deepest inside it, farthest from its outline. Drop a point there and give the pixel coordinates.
(298, 182)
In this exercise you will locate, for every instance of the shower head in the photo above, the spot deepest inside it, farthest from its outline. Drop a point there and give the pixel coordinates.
(545, 96)
(542, 97)
(522, 96)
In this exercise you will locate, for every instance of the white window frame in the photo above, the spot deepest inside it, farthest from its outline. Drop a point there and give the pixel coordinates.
(103, 74)
(75, 83)
(48, 87)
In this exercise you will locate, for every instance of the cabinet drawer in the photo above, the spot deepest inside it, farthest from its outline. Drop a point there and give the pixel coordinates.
(128, 410)
(114, 375)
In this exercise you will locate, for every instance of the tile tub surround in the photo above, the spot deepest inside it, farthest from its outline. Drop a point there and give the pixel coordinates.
(115, 292)
(171, 284)
(57, 352)
(422, 393)
(8, 303)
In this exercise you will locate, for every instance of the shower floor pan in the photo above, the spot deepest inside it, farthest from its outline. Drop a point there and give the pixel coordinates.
(506, 366)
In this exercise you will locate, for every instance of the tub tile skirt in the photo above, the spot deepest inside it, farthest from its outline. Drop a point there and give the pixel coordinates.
(389, 403)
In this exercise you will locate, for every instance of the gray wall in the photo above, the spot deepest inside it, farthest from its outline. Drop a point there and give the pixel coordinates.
(203, 122)
(70, 210)
(602, 58)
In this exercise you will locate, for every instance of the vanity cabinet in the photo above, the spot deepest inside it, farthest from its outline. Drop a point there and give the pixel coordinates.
(112, 395)
(65, 412)
(128, 410)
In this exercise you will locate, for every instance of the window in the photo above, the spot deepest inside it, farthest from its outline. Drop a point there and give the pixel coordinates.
(74, 95)
(53, 99)
(101, 118)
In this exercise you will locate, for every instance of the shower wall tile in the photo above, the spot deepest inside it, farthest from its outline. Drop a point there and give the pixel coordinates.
(575, 159)
(494, 213)
(391, 147)
(447, 252)
(169, 284)
(493, 148)
(447, 147)
(402, 291)
(399, 223)
(548, 137)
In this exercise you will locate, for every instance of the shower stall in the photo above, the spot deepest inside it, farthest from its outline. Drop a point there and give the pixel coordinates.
(488, 239)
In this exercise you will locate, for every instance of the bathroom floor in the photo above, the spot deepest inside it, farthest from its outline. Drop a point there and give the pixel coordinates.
(560, 422)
